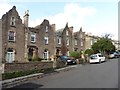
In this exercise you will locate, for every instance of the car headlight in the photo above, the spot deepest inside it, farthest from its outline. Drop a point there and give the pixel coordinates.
(69, 60)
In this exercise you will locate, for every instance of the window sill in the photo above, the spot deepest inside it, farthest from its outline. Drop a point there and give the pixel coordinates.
(13, 26)
(33, 42)
(11, 41)
(46, 44)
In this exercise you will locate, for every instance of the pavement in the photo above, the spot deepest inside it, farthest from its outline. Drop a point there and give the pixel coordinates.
(9, 83)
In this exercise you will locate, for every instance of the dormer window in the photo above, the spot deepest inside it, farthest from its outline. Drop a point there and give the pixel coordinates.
(67, 32)
(59, 40)
(81, 42)
(12, 22)
(46, 29)
(81, 36)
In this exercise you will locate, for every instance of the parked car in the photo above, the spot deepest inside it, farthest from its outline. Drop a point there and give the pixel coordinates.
(68, 60)
(114, 55)
(96, 58)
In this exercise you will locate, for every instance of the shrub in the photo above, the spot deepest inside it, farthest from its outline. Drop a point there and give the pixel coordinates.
(89, 52)
(37, 58)
(75, 55)
(24, 73)
(29, 57)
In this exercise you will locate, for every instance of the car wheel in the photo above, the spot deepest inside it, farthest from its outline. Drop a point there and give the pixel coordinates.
(99, 61)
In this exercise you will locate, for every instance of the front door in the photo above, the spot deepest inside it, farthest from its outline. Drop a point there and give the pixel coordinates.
(9, 57)
(46, 54)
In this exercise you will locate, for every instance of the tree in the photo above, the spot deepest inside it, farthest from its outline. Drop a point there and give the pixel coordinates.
(75, 54)
(89, 52)
(64, 50)
(104, 45)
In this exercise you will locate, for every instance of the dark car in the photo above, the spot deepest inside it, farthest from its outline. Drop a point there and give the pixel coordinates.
(68, 60)
(114, 55)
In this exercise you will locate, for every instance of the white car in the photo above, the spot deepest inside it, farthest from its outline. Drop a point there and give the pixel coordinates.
(96, 58)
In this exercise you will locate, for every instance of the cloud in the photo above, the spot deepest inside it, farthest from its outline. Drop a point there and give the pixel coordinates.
(72, 1)
(73, 14)
(4, 7)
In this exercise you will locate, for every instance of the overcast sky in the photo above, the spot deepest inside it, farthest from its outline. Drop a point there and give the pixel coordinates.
(99, 17)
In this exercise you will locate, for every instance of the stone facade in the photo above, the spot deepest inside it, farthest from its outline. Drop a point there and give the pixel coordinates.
(79, 40)
(1, 41)
(69, 41)
(13, 36)
(44, 43)
(64, 40)
(116, 44)
(21, 43)
(90, 40)
(15, 67)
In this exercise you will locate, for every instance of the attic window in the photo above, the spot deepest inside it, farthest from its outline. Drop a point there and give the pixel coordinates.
(46, 29)
(59, 40)
(67, 32)
(12, 22)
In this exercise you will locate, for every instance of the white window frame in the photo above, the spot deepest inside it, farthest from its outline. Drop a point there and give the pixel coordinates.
(12, 22)
(91, 41)
(67, 32)
(33, 35)
(10, 56)
(81, 42)
(46, 55)
(11, 36)
(46, 28)
(46, 40)
(95, 40)
(59, 40)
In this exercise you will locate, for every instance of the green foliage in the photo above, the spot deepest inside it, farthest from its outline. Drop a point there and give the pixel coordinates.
(37, 59)
(81, 52)
(29, 57)
(89, 52)
(103, 45)
(75, 55)
(24, 73)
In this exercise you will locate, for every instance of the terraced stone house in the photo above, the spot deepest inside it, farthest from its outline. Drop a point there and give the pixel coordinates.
(13, 37)
(68, 41)
(79, 40)
(64, 40)
(21, 43)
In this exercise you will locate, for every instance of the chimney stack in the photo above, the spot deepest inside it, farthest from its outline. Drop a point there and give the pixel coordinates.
(26, 18)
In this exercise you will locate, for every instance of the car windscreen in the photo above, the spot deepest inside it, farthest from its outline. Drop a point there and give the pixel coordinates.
(93, 56)
(100, 55)
(64, 57)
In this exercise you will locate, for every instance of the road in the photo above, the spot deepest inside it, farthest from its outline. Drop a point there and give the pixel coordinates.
(104, 75)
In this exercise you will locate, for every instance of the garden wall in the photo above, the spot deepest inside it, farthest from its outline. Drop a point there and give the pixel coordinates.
(13, 67)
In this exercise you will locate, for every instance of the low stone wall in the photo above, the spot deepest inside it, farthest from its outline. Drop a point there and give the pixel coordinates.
(13, 67)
